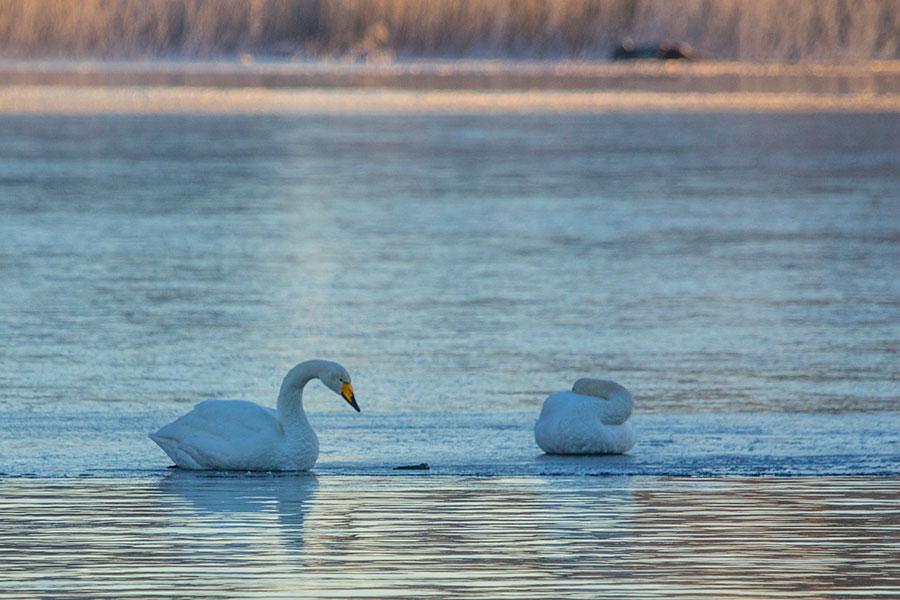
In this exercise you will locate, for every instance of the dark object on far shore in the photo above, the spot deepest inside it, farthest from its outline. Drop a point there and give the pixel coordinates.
(627, 50)
(418, 467)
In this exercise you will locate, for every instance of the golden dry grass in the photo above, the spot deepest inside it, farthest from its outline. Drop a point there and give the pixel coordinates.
(383, 29)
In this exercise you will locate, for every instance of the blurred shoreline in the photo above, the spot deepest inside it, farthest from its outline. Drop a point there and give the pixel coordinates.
(875, 77)
(444, 87)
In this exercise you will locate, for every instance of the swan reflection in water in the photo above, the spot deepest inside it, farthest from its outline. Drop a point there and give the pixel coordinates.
(243, 508)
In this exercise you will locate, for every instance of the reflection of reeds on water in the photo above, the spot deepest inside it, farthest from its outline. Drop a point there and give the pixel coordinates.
(382, 29)
(802, 533)
(293, 535)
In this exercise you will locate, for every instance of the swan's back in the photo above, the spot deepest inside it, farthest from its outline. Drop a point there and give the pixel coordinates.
(619, 401)
(593, 419)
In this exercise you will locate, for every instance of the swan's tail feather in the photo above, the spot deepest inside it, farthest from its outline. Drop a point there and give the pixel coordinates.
(175, 451)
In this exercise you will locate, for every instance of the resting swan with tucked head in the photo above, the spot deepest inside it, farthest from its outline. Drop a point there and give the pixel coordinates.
(234, 435)
(591, 419)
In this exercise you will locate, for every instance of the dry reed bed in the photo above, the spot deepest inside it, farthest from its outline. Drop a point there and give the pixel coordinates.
(381, 30)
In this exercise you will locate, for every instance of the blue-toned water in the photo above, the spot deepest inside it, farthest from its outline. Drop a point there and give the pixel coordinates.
(723, 263)
(740, 273)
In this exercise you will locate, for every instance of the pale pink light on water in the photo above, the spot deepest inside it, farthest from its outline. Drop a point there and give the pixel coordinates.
(166, 100)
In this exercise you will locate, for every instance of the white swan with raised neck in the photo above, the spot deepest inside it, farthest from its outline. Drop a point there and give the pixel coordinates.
(591, 419)
(235, 435)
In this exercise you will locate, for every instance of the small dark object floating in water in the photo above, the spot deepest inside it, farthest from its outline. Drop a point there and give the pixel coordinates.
(418, 467)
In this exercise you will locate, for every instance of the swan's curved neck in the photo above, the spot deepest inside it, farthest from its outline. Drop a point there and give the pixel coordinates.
(290, 398)
(619, 401)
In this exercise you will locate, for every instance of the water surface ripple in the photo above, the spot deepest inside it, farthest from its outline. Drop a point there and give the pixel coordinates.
(189, 536)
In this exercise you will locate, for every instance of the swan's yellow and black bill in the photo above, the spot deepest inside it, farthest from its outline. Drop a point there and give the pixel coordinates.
(347, 393)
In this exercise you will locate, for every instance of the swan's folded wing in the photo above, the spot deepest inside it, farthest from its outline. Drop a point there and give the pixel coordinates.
(235, 417)
(220, 434)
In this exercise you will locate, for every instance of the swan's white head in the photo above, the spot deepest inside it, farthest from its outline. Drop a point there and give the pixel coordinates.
(337, 379)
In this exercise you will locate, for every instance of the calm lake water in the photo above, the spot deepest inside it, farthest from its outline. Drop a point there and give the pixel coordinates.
(740, 273)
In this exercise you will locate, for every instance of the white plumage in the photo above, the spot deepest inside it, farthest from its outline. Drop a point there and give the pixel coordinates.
(591, 419)
(231, 435)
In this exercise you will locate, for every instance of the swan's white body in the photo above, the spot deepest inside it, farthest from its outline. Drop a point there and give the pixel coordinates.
(233, 435)
(591, 419)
